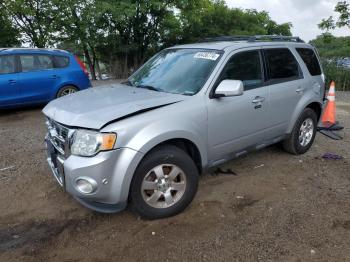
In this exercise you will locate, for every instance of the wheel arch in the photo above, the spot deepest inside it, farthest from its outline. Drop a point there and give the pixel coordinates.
(314, 105)
(63, 86)
(187, 146)
(317, 107)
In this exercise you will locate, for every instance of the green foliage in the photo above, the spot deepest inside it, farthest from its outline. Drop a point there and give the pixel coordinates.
(123, 33)
(9, 36)
(210, 19)
(343, 9)
(34, 19)
(340, 75)
(331, 49)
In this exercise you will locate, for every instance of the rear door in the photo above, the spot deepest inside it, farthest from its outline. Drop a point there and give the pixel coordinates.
(37, 77)
(286, 86)
(9, 89)
(235, 123)
(316, 77)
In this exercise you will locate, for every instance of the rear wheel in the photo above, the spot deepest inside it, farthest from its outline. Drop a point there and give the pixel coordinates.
(66, 90)
(164, 184)
(303, 134)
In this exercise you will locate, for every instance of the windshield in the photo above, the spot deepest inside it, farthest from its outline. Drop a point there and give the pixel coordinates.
(178, 71)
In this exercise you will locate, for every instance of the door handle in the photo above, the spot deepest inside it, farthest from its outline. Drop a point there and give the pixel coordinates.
(12, 81)
(300, 90)
(258, 99)
(54, 76)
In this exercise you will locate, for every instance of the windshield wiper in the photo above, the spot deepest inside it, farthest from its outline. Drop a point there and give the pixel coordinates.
(149, 87)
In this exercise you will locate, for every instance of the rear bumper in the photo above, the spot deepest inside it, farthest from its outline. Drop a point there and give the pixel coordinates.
(111, 172)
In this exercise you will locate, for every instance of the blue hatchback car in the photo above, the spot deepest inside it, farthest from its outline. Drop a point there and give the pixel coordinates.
(35, 76)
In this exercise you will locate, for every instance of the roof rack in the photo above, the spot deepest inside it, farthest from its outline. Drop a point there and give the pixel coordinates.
(255, 38)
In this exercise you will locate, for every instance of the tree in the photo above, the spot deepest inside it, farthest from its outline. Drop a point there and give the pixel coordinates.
(124, 33)
(343, 9)
(34, 19)
(79, 24)
(135, 30)
(214, 18)
(9, 36)
(332, 47)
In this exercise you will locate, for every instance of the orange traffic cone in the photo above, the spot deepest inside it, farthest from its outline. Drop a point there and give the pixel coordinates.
(329, 114)
(329, 124)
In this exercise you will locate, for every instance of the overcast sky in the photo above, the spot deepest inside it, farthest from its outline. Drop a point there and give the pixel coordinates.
(303, 14)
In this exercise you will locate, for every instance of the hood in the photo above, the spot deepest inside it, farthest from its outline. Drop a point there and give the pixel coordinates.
(95, 107)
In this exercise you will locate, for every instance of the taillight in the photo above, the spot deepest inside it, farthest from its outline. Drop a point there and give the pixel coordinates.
(82, 66)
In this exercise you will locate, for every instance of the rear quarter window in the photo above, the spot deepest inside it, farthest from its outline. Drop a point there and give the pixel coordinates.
(310, 59)
(61, 61)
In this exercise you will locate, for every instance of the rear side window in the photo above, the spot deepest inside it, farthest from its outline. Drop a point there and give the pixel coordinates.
(61, 61)
(44, 62)
(244, 66)
(35, 62)
(282, 64)
(7, 64)
(27, 63)
(310, 59)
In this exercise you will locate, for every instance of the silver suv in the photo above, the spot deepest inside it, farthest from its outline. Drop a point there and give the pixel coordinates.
(189, 108)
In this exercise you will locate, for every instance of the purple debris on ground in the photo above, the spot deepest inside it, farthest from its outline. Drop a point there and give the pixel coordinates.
(330, 156)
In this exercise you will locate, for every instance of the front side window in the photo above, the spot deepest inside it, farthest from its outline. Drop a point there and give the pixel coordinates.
(244, 66)
(282, 64)
(178, 71)
(7, 64)
(310, 59)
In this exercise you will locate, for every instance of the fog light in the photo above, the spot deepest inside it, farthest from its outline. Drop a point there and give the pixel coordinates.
(85, 185)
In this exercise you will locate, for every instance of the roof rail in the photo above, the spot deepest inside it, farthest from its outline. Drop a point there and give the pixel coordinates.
(33, 49)
(255, 38)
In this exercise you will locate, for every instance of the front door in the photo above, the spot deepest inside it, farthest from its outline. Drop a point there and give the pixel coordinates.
(235, 123)
(9, 90)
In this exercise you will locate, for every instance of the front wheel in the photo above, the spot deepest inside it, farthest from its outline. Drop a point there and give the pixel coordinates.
(164, 184)
(303, 134)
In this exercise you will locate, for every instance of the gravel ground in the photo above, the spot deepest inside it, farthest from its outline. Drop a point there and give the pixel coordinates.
(277, 207)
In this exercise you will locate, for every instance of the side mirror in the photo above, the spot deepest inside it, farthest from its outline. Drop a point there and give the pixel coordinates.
(229, 88)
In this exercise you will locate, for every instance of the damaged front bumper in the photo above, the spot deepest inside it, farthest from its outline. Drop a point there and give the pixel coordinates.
(110, 173)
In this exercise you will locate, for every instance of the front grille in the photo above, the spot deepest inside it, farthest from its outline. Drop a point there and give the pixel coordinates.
(59, 136)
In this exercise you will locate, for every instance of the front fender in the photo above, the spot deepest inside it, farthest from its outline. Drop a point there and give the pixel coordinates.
(157, 133)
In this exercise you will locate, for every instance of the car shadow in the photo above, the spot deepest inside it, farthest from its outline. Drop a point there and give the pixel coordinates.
(13, 112)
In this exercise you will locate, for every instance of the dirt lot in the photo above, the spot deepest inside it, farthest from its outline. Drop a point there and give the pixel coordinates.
(277, 208)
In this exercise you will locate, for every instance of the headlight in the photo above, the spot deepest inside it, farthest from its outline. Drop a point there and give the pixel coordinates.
(89, 143)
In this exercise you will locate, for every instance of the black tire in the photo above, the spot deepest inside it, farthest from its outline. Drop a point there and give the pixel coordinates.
(292, 144)
(167, 154)
(63, 91)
